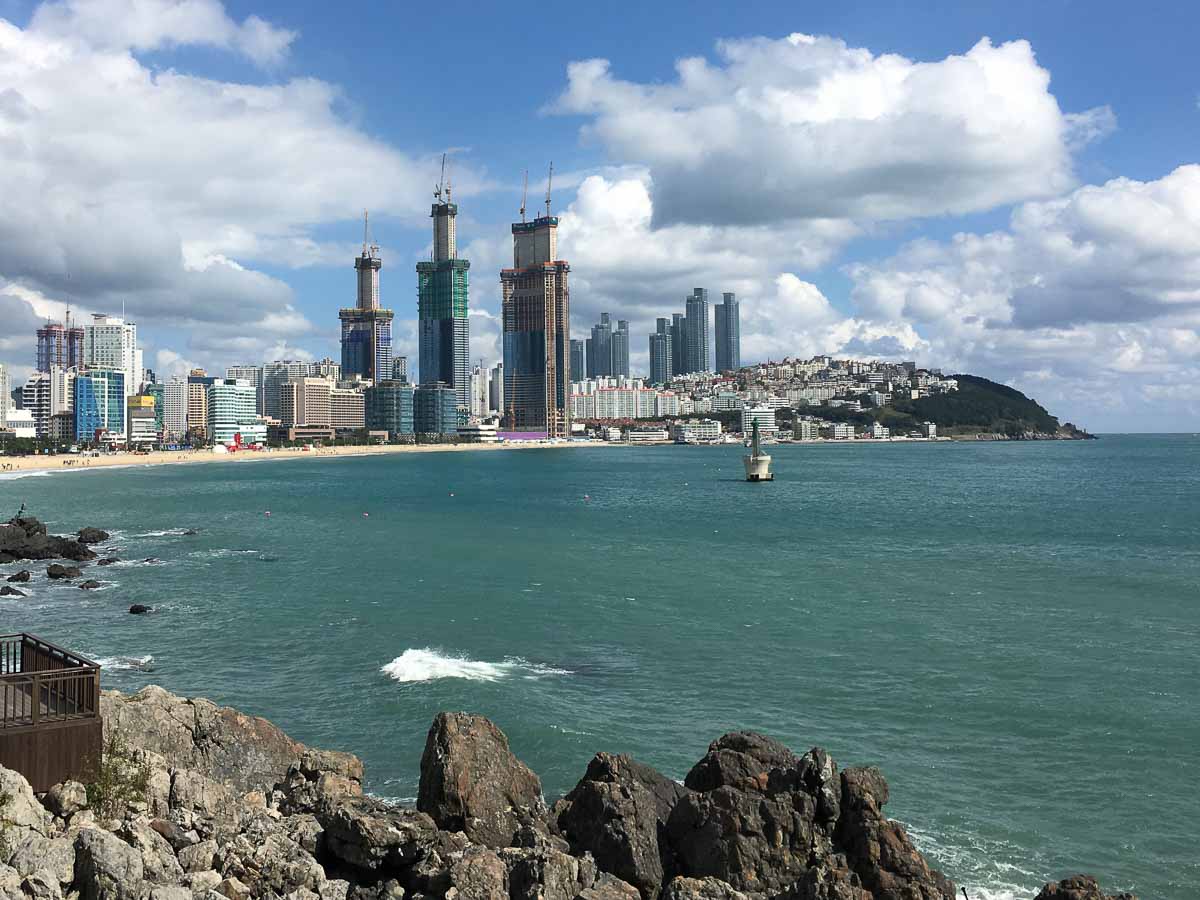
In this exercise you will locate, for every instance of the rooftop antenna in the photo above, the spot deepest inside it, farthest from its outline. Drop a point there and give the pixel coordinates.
(437, 191)
(447, 180)
(549, 181)
(368, 242)
(524, 193)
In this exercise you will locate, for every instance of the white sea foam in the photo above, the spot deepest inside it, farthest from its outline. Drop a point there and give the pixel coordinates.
(13, 476)
(428, 664)
(166, 532)
(126, 663)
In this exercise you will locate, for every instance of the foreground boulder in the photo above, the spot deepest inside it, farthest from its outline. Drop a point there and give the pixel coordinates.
(18, 577)
(618, 813)
(24, 537)
(471, 781)
(1078, 887)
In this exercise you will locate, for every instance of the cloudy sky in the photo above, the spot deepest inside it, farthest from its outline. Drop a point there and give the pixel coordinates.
(1011, 190)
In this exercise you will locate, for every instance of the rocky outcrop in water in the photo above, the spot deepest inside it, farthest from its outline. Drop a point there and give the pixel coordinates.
(228, 807)
(24, 537)
(91, 535)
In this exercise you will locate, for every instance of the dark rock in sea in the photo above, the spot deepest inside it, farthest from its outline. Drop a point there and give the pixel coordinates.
(1078, 887)
(107, 561)
(189, 531)
(56, 571)
(740, 760)
(6, 591)
(151, 560)
(18, 577)
(91, 535)
(138, 609)
(471, 781)
(24, 537)
(618, 813)
(90, 585)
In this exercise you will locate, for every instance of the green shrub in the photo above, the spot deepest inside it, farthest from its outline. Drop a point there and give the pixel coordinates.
(117, 779)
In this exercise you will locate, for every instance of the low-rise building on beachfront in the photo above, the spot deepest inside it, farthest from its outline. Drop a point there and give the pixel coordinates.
(646, 435)
(879, 433)
(141, 426)
(696, 431)
(930, 429)
(805, 430)
(843, 431)
(764, 416)
(479, 433)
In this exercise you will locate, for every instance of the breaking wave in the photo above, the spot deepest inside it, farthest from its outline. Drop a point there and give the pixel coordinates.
(167, 532)
(427, 664)
(126, 663)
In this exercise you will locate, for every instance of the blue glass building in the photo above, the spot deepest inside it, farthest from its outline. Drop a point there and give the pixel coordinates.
(99, 405)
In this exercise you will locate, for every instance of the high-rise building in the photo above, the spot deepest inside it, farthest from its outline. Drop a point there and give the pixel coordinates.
(435, 409)
(660, 354)
(678, 328)
(109, 342)
(175, 409)
(620, 349)
(367, 327)
(389, 407)
(253, 375)
(695, 333)
(599, 348)
(100, 406)
(59, 346)
(400, 368)
(327, 368)
(480, 391)
(275, 374)
(197, 405)
(578, 361)
(47, 394)
(536, 312)
(496, 388)
(728, 333)
(154, 390)
(3, 396)
(443, 337)
(306, 401)
(346, 409)
(232, 413)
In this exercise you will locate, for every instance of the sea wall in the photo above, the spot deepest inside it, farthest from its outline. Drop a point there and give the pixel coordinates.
(200, 801)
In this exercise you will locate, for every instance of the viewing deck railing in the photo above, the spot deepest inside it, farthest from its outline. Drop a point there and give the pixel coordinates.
(42, 684)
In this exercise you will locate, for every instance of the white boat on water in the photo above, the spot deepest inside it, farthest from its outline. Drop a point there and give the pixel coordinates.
(758, 464)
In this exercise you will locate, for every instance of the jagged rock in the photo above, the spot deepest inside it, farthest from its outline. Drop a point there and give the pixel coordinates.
(546, 874)
(742, 760)
(42, 885)
(305, 830)
(198, 857)
(266, 861)
(471, 781)
(7, 591)
(19, 577)
(170, 892)
(202, 882)
(159, 865)
(178, 838)
(66, 798)
(203, 804)
(10, 882)
(609, 887)
(479, 875)
(139, 609)
(106, 868)
(107, 561)
(233, 889)
(830, 879)
(90, 585)
(373, 836)
(1078, 887)
(618, 812)
(34, 852)
(682, 888)
(56, 571)
(246, 752)
(879, 850)
(91, 535)
(756, 843)
(317, 778)
(21, 813)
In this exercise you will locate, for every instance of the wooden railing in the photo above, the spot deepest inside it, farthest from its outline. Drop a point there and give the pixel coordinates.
(41, 683)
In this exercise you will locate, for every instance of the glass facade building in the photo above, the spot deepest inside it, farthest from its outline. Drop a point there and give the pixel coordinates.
(435, 409)
(100, 405)
(389, 407)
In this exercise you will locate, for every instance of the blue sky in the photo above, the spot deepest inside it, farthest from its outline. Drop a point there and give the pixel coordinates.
(877, 188)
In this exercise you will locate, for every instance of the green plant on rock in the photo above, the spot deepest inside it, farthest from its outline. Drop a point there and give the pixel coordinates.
(5, 825)
(119, 778)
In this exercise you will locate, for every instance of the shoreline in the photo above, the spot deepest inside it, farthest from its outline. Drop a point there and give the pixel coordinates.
(79, 463)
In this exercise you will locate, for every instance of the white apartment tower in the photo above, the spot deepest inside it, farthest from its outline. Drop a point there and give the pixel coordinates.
(175, 407)
(109, 342)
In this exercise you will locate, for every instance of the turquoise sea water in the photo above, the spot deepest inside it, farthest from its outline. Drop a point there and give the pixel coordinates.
(1008, 630)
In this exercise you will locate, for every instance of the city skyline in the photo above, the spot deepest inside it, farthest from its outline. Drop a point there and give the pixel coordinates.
(920, 179)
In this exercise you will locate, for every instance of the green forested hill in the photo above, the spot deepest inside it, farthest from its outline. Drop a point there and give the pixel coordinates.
(983, 405)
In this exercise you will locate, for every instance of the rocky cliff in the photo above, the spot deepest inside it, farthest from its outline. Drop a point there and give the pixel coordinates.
(198, 801)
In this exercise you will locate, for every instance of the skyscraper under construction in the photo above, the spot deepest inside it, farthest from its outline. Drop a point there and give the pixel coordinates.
(537, 334)
(442, 283)
(367, 327)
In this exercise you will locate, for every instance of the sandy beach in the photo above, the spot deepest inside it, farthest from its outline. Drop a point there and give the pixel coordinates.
(75, 462)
